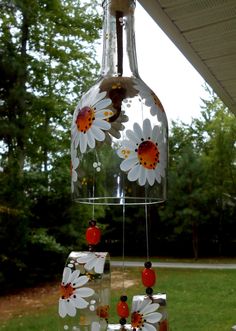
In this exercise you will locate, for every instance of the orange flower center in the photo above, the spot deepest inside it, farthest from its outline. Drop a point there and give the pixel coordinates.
(148, 154)
(136, 320)
(85, 119)
(66, 291)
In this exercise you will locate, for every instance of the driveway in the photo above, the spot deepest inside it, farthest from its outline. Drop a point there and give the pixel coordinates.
(175, 265)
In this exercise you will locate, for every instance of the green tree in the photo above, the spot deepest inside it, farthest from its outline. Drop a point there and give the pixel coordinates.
(201, 195)
(47, 60)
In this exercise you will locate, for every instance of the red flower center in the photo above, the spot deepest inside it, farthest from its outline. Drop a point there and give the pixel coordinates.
(148, 154)
(66, 291)
(85, 119)
(136, 320)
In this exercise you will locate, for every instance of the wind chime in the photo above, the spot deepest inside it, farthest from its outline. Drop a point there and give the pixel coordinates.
(119, 147)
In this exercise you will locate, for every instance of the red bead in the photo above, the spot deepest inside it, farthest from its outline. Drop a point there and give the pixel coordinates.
(148, 277)
(93, 235)
(122, 309)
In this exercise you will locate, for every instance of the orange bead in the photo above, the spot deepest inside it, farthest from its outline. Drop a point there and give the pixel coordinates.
(93, 235)
(122, 309)
(148, 277)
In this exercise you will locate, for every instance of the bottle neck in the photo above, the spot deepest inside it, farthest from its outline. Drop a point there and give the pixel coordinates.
(119, 50)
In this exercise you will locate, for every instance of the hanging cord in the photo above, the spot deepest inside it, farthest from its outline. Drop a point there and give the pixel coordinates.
(119, 32)
(123, 246)
(147, 230)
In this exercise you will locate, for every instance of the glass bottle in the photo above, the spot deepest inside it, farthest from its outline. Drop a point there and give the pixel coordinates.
(119, 143)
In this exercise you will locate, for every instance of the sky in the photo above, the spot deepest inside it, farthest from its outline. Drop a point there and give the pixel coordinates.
(166, 71)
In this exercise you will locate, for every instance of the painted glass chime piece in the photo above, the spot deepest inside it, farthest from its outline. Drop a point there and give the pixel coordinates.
(119, 132)
(84, 303)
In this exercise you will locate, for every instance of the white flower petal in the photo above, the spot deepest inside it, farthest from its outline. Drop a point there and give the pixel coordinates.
(153, 317)
(102, 124)
(128, 163)
(71, 311)
(150, 308)
(91, 263)
(95, 326)
(102, 104)
(98, 134)
(83, 139)
(75, 274)
(75, 163)
(156, 133)
(103, 114)
(147, 129)
(91, 140)
(85, 258)
(97, 97)
(62, 311)
(138, 131)
(134, 173)
(151, 177)
(79, 302)
(66, 275)
(130, 134)
(80, 281)
(148, 327)
(84, 292)
(157, 175)
(142, 176)
(99, 267)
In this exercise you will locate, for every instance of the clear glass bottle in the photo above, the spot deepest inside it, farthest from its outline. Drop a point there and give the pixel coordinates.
(119, 143)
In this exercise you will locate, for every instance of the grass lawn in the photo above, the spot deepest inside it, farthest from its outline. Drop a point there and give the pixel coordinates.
(198, 300)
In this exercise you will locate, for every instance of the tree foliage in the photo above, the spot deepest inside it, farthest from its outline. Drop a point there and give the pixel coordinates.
(47, 60)
(202, 174)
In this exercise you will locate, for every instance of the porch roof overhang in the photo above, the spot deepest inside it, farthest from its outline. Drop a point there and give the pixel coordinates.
(205, 32)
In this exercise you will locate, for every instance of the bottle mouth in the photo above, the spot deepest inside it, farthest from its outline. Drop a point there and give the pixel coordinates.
(126, 7)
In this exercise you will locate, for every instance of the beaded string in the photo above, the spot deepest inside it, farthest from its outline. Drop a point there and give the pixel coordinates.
(122, 307)
(148, 274)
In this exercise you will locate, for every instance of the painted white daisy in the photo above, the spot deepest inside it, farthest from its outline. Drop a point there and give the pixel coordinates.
(95, 326)
(144, 154)
(144, 314)
(93, 260)
(90, 119)
(152, 101)
(72, 292)
(74, 166)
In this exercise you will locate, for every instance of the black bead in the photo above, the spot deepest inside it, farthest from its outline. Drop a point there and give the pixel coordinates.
(148, 264)
(123, 298)
(149, 291)
(122, 321)
(92, 223)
